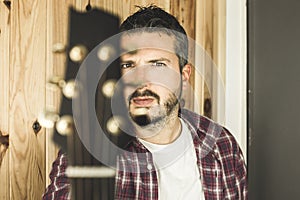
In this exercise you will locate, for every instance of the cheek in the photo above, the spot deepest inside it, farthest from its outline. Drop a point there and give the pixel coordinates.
(127, 92)
(165, 77)
(162, 92)
(172, 88)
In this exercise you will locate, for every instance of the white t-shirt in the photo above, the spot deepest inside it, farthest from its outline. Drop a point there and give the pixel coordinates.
(176, 165)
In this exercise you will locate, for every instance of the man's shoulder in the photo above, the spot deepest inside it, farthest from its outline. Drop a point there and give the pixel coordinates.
(203, 126)
(210, 132)
(198, 121)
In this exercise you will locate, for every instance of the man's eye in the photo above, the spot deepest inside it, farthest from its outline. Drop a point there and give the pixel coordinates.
(159, 64)
(126, 65)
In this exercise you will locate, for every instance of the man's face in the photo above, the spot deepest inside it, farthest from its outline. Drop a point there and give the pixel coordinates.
(150, 71)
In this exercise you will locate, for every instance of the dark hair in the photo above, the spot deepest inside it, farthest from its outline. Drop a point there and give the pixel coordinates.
(155, 17)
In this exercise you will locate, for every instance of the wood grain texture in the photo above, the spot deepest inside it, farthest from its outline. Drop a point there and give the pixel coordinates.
(219, 58)
(184, 11)
(125, 8)
(211, 35)
(27, 98)
(219, 35)
(202, 32)
(57, 26)
(4, 98)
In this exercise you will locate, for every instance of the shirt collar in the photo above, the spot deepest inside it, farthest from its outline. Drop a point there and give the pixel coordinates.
(204, 131)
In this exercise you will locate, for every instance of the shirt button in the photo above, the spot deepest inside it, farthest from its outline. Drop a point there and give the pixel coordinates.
(149, 166)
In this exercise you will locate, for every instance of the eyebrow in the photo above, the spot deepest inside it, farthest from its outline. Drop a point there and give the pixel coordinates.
(125, 51)
(159, 59)
(149, 61)
(127, 61)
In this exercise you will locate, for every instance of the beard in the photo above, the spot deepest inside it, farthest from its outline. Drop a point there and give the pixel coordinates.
(155, 116)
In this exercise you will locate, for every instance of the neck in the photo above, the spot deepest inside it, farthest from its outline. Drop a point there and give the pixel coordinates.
(165, 132)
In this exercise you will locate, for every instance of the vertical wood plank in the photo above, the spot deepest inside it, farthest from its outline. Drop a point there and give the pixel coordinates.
(57, 26)
(219, 36)
(4, 99)
(210, 33)
(185, 11)
(202, 36)
(127, 7)
(218, 55)
(51, 150)
(27, 98)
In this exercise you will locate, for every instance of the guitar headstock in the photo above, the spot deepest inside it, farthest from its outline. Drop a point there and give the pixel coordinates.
(82, 97)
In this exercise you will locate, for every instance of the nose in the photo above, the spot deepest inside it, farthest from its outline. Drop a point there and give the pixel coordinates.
(142, 87)
(139, 73)
(137, 77)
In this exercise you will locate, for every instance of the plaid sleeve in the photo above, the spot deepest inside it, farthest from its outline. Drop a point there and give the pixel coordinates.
(234, 168)
(123, 181)
(241, 175)
(59, 188)
(118, 180)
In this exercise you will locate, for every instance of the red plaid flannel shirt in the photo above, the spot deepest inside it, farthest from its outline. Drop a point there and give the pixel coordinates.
(59, 188)
(219, 158)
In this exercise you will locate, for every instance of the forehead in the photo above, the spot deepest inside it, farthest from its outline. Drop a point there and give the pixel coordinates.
(147, 40)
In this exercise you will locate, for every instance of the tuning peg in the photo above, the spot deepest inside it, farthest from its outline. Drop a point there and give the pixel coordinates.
(113, 124)
(58, 48)
(106, 52)
(78, 53)
(108, 88)
(69, 88)
(56, 82)
(47, 119)
(65, 125)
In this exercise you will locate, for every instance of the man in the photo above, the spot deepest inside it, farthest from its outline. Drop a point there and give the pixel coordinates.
(176, 154)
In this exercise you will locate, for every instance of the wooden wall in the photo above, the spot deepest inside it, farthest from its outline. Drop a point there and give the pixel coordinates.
(28, 30)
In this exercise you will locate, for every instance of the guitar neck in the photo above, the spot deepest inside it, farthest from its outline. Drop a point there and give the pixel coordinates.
(90, 178)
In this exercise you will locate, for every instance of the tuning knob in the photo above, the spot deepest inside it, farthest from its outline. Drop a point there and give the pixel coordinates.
(65, 125)
(108, 88)
(113, 124)
(106, 52)
(56, 82)
(58, 48)
(78, 53)
(69, 88)
(47, 119)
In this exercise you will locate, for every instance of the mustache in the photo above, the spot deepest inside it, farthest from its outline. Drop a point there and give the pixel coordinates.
(144, 93)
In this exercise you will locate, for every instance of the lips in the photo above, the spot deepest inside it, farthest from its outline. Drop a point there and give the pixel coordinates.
(143, 101)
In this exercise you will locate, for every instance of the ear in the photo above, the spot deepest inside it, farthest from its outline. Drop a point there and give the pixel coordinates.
(186, 73)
